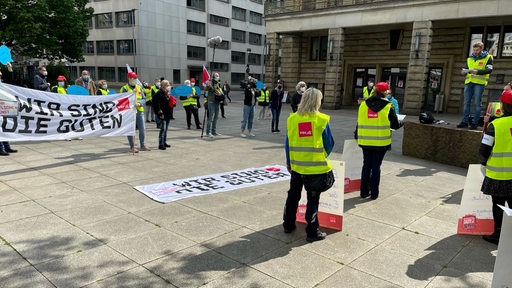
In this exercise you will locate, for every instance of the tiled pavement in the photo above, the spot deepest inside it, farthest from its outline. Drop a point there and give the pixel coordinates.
(69, 217)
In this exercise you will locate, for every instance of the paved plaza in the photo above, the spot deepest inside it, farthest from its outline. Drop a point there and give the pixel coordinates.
(69, 217)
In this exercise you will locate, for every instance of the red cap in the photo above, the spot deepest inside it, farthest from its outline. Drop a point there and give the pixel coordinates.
(381, 87)
(132, 75)
(506, 97)
(61, 78)
(193, 80)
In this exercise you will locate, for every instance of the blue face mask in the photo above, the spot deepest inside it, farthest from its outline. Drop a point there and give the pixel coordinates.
(217, 79)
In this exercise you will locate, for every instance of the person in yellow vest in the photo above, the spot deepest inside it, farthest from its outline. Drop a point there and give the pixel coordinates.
(478, 69)
(368, 90)
(150, 113)
(308, 143)
(61, 86)
(494, 151)
(140, 102)
(263, 102)
(375, 118)
(189, 103)
(102, 88)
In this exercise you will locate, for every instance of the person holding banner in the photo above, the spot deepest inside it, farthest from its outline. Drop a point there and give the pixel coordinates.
(494, 151)
(102, 88)
(375, 118)
(308, 143)
(40, 80)
(140, 102)
(61, 86)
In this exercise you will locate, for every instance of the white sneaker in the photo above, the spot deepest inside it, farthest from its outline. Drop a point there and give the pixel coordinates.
(217, 134)
(79, 138)
(252, 135)
(210, 135)
(243, 135)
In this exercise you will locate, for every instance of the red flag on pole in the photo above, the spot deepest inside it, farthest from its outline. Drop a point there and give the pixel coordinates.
(206, 75)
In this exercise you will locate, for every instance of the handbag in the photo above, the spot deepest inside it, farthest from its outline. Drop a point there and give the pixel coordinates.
(318, 183)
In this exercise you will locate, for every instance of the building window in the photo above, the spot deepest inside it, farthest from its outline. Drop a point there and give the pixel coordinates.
(105, 47)
(196, 28)
(89, 47)
(255, 39)
(221, 67)
(104, 20)
(121, 74)
(223, 45)
(236, 78)
(255, 18)
(125, 19)
(237, 57)
(318, 48)
(492, 41)
(257, 1)
(196, 4)
(107, 73)
(238, 14)
(254, 59)
(237, 36)
(507, 42)
(125, 46)
(196, 53)
(219, 20)
(89, 23)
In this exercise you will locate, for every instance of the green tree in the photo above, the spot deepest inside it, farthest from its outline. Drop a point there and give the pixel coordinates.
(45, 29)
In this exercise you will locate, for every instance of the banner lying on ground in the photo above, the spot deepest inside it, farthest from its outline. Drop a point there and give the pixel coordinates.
(475, 210)
(330, 209)
(50, 116)
(215, 183)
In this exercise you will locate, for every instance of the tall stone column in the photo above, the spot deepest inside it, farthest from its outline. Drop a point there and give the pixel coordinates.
(272, 60)
(417, 71)
(333, 89)
(291, 60)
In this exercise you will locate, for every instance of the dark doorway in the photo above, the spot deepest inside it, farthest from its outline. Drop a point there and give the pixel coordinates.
(396, 78)
(361, 77)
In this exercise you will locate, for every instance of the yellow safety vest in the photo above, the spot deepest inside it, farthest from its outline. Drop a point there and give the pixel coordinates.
(152, 92)
(367, 93)
(478, 64)
(60, 90)
(373, 128)
(103, 91)
(499, 164)
(305, 143)
(495, 109)
(191, 100)
(138, 95)
(263, 97)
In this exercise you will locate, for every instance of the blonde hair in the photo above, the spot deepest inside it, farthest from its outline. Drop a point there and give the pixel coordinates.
(165, 83)
(478, 44)
(310, 101)
(297, 87)
(101, 82)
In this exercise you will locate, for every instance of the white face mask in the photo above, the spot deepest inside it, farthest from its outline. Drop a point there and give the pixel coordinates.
(168, 89)
(61, 84)
(85, 77)
(132, 82)
(157, 84)
(217, 79)
(45, 73)
(302, 89)
(105, 86)
(192, 84)
(189, 85)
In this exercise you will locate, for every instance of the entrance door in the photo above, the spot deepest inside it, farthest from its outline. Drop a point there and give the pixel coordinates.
(434, 88)
(396, 78)
(361, 77)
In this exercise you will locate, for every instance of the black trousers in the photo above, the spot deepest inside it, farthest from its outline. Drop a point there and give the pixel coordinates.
(370, 175)
(292, 203)
(192, 110)
(497, 212)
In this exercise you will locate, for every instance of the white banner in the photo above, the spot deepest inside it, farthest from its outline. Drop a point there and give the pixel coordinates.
(215, 183)
(353, 158)
(51, 116)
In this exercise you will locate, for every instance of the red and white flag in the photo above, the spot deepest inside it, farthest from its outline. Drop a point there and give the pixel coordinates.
(206, 75)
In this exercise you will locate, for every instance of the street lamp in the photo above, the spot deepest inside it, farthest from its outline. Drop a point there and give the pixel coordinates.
(266, 50)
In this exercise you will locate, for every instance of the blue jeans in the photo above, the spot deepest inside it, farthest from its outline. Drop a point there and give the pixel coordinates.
(370, 175)
(162, 136)
(139, 123)
(213, 114)
(248, 117)
(473, 91)
(292, 202)
(275, 118)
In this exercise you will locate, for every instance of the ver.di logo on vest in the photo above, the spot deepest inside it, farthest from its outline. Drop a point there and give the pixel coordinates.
(372, 114)
(305, 129)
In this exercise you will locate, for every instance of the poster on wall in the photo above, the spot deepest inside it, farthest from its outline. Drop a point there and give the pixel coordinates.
(359, 81)
(475, 210)
(330, 210)
(353, 158)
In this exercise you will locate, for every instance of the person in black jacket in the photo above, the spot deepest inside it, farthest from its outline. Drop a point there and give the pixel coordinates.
(250, 100)
(375, 118)
(276, 102)
(300, 88)
(40, 80)
(163, 111)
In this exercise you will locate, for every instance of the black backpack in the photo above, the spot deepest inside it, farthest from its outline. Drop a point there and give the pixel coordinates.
(426, 118)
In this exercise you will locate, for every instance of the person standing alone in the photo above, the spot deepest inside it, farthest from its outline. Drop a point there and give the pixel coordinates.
(478, 69)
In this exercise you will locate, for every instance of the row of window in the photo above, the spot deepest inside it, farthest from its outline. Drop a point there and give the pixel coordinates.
(199, 29)
(237, 13)
(107, 47)
(105, 20)
(497, 39)
(199, 53)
